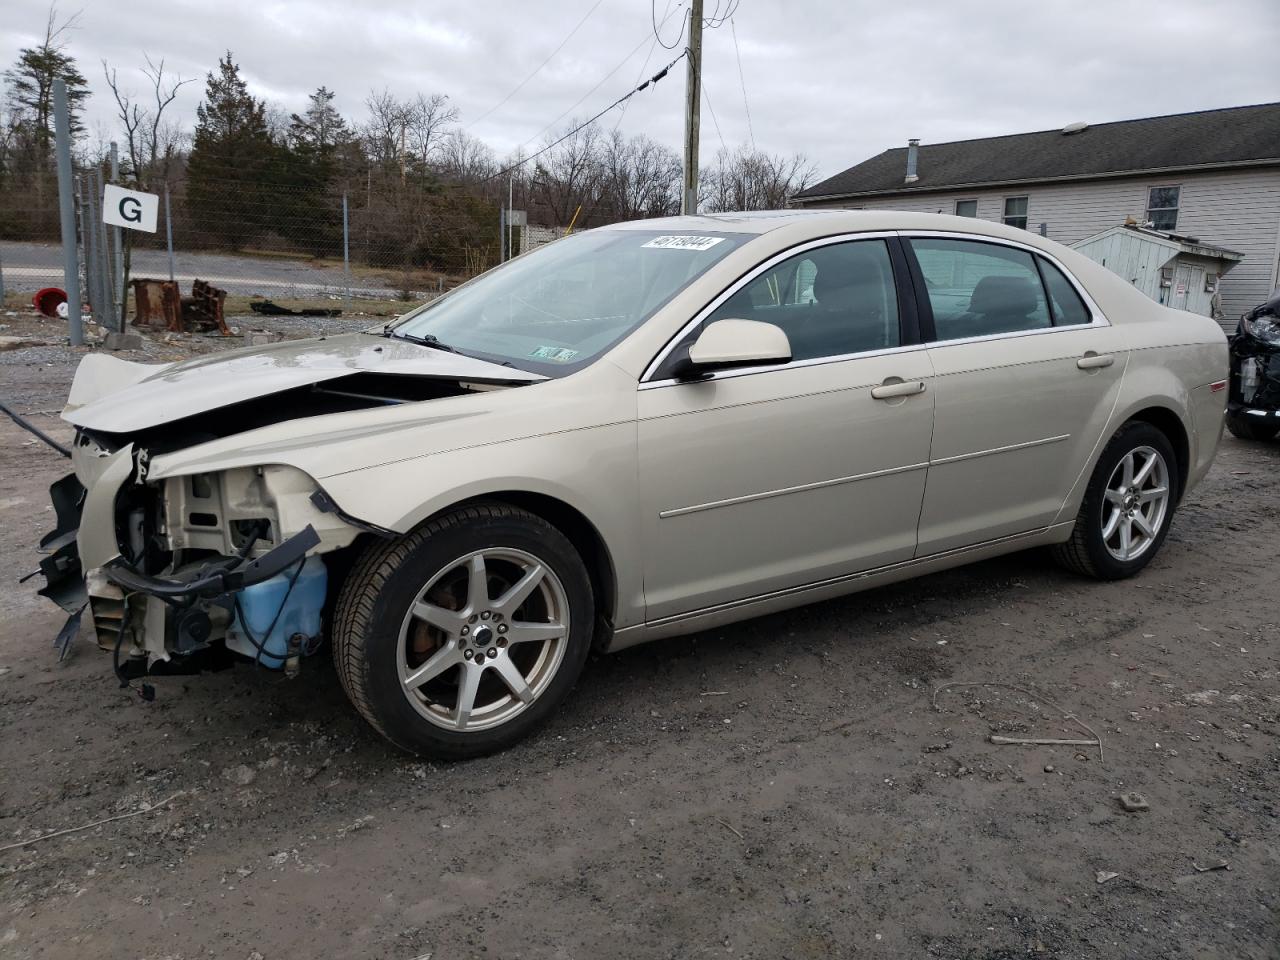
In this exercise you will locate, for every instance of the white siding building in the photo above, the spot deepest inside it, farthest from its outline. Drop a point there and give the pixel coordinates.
(1212, 177)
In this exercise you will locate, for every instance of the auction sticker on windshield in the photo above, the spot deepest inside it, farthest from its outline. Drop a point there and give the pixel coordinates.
(554, 354)
(684, 243)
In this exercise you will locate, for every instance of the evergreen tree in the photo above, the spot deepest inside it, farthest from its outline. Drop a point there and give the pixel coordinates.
(30, 83)
(321, 128)
(234, 163)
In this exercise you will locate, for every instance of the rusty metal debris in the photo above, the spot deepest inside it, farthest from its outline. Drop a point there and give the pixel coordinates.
(160, 305)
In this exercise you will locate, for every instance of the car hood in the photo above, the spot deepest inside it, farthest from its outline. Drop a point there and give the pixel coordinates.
(116, 396)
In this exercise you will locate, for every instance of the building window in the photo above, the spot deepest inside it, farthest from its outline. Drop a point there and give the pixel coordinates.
(966, 208)
(1015, 212)
(1162, 207)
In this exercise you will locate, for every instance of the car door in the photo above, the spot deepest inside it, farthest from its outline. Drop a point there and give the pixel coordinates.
(1026, 371)
(762, 479)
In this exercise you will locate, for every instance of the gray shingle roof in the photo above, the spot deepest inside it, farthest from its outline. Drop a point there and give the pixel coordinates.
(1206, 138)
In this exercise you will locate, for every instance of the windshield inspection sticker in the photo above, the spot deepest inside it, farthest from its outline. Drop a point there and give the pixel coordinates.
(683, 243)
(554, 354)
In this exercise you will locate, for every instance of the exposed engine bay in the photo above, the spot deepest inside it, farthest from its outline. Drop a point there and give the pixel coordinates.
(191, 571)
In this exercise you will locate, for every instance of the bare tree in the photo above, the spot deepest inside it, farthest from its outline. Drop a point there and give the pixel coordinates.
(568, 175)
(746, 179)
(464, 158)
(151, 142)
(399, 132)
(428, 118)
(639, 177)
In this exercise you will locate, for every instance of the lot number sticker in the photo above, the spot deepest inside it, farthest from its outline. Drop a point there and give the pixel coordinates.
(554, 354)
(683, 243)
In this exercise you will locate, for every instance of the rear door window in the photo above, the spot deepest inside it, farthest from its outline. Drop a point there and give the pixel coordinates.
(980, 289)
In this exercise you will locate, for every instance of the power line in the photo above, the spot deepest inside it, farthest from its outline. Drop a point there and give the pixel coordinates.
(742, 80)
(519, 86)
(640, 73)
(621, 100)
(601, 83)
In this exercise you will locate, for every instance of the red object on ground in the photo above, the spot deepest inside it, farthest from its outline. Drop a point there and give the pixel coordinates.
(47, 300)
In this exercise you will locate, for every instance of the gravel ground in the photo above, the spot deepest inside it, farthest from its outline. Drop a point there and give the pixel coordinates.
(794, 786)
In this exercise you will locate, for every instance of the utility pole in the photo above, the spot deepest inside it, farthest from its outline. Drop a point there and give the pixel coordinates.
(693, 97)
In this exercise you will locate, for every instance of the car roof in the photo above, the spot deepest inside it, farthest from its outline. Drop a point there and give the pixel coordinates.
(826, 222)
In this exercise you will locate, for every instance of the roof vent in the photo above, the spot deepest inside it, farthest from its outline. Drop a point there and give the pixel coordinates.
(1076, 127)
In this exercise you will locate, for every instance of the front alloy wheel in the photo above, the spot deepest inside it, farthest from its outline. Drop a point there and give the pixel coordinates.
(483, 640)
(464, 635)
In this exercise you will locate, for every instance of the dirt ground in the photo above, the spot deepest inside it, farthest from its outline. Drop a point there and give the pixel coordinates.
(796, 786)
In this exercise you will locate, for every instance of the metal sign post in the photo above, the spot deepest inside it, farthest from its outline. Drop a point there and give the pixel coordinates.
(117, 240)
(168, 229)
(67, 211)
(346, 251)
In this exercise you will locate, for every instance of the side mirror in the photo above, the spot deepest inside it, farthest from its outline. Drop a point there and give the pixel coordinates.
(735, 343)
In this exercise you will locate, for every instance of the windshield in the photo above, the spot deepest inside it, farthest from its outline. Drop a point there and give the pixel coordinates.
(557, 309)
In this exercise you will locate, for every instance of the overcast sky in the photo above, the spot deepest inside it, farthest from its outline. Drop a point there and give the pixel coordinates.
(838, 80)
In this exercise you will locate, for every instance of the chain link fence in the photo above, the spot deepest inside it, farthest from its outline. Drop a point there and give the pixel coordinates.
(363, 250)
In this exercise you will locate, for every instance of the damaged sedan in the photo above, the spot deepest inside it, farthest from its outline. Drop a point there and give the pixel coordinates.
(640, 431)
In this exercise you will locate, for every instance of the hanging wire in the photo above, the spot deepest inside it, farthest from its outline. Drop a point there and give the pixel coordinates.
(657, 27)
(707, 97)
(519, 86)
(586, 123)
(742, 80)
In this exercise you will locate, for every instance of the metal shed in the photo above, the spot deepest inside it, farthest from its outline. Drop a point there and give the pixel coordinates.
(1178, 271)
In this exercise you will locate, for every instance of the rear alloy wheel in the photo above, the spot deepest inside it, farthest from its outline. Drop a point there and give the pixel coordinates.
(462, 637)
(1127, 506)
(1248, 428)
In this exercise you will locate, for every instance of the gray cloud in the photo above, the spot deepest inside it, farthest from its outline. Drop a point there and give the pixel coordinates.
(838, 80)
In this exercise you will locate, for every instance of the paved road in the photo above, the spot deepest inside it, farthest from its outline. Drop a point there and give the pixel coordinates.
(30, 266)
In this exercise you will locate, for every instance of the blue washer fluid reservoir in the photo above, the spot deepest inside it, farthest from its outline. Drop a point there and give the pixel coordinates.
(300, 613)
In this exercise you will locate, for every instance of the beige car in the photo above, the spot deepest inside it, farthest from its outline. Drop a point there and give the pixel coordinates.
(639, 431)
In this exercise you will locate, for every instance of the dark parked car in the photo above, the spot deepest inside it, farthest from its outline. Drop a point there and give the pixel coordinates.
(1253, 411)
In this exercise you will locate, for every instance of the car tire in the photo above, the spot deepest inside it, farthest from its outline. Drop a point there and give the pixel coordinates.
(414, 609)
(1246, 428)
(1099, 546)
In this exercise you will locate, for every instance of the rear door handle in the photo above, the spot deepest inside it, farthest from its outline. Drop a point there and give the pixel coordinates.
(887, 391)
(1095, 361)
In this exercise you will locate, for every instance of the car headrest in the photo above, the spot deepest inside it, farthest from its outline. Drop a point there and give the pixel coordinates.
(1016, 295)
(836, 281)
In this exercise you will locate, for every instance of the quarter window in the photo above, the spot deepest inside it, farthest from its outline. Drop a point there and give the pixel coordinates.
(979, 289)
(830, 301)
(1015, 212)
(1068, 309)
(1162, 207)
(966, 208)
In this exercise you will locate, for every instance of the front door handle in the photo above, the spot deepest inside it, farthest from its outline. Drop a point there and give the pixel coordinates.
(887, 391)
(1095, 361)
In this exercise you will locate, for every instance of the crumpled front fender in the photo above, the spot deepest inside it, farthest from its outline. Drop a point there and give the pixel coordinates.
(97, 539)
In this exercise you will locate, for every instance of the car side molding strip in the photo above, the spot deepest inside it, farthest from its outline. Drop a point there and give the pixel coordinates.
(836, 481)
(994, 450)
